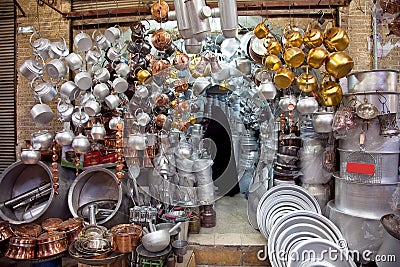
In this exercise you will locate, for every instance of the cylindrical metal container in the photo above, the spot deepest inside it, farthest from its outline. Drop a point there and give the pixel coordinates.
(126, 237)
(18, 179)
(382, 80)
(322, 192)
(361, 233)
(51, 243)
(199, 14)
(373, 140)
(21, 248)
(366, 200)
(229, 17)
(183, 19)
(97, 186)
(385, 166)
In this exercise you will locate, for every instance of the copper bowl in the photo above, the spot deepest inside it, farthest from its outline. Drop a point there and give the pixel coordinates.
(72, 227)
(51, 224)
(126, 237)
(5, 231)
(27, 230)
(51, 243)
(21, 248)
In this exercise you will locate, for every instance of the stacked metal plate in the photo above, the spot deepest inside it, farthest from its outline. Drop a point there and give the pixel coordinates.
(280, 200)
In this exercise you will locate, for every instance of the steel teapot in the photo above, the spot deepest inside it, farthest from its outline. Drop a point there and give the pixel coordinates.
(81, 144)
(64, 137)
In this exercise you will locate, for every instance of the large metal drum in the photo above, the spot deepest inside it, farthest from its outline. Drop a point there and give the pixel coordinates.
(28, 194)
(99, 187)
(372, 80)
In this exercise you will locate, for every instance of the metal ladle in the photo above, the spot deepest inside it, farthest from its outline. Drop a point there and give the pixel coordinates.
(367, 111)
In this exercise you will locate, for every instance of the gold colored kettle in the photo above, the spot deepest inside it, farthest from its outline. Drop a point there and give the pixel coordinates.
(142, 75)
(339, 64)
(330, 93)
(335, 38)
(307, 82)
(283, 78)
(273, 46)
(293, 38)
(272, 62)
(316, 57)
(294, 57)
(313, 37)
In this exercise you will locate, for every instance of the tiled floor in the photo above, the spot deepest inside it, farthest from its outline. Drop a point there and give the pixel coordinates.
(232, 227)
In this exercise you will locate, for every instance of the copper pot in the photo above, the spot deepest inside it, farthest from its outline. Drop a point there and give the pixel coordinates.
(159, 65)
(126, 237)
(27, 230)
(51, 243)
(181, 61)
(72, 227)
(51, 224)
(5, 231)
(159, 10)
(181, 85)
(161, 40)
(21, 248)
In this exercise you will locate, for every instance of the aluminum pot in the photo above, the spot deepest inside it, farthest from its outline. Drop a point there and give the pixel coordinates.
(41, 114)
(58, 49)
(30, 156)
(81, 144)
(41, 139)
(83, 80)
(51, 243)
(101, 90)
(95, 185)
(82, 42)
(69, 90)
(385, 166)
(382, 80)
(74, 61)
(40, 46)
(64, 137)
(44, 91)
(64, 111)
(361, 233)
(56, 68)
(18, 179)
(31, 69)
(322, 121)
(21, 248)
(366, 200)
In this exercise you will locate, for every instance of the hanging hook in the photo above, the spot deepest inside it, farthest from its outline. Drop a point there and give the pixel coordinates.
(384, 103)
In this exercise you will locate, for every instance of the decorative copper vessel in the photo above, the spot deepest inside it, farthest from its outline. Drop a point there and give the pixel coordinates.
(21, 248)
(126, 237)
(51, 243)
(72, 227)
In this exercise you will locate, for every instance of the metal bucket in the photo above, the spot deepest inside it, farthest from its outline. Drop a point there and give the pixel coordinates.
(362, 234)
(99, 185)
(21, 183)
(385, 166)
(383, 80)
(373, 140)
(366, 200)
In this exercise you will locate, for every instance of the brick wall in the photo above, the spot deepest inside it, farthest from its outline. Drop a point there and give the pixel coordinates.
(355, 19)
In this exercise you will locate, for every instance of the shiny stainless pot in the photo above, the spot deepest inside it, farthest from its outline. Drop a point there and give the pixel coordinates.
(382, 80)
(366, 200)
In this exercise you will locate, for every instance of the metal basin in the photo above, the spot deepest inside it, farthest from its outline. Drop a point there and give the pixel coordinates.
(98, 185)
(366, 200)
(361, 233)
(19, 180)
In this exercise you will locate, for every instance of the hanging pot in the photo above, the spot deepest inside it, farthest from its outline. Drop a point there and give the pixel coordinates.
(100, 40)
(161, 40)
(267, 90)
(79, 118)
(322, 121)
(41, 140)
(335, 38)
(294, 57)
(122, 69)
(32, 68)
(181, 61)
(102, 75)
(330, 92)
(262, 30)
(83, 42)
(44, 91)
(83, 80)
(316, 57)
(92, 107)
(56, 69)
(272, 62)
(40, 46)
(339, 64)
(273, 46)
(112, 34)
(30, 156)
(283, 78)
(74, 61)
(81, 144)
(41, 114)
(120, 85)
(312, 37)
(159, 10)
(307, 82)
(98, 131)
(93, 57)
(112, 124)
(64, 137)
(307, 105)
(64, 110)
(58, 49)
(101, 91)
(292, 36)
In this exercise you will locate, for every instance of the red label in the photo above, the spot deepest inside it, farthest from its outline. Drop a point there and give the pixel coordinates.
(361, 168)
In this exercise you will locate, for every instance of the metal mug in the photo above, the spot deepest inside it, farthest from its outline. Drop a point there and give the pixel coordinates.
(120, 84)
(112, 101)
(101, 91)
(112, 34)
(122, 69)
(74, 61)
(56, 68)
(82, 42)
(113, 53)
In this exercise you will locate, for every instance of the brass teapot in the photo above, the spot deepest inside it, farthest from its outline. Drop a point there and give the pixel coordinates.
(339, 64)
(335, 38)
(283, 78)
(272, 62)
(262, 30)
(272, 45)
(330, 93)
(294, 57)
(313, 37)
(292, 36)
(316, 57)
(307, 82)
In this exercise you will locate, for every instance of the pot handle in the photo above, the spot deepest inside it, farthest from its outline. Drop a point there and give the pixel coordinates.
(31, 37)
(326, 26)
(33, 81)
(65, 43)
